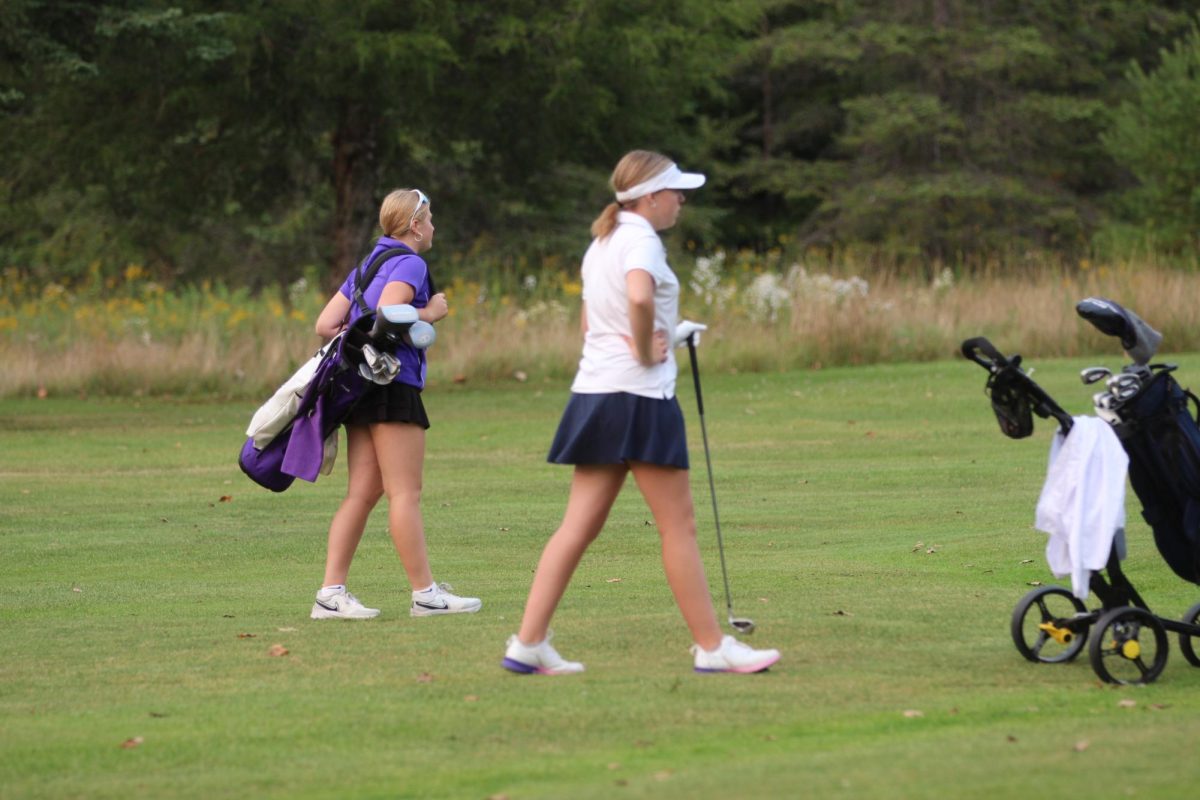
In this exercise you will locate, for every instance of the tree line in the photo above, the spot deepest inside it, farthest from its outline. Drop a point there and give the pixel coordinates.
(244, 140)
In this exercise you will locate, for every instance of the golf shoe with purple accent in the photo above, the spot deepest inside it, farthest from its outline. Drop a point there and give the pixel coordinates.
(733, 656)
(537, 659)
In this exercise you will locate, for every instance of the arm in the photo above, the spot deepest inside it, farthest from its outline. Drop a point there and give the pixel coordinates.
(329, 322)
(649, 346)
(400, 293)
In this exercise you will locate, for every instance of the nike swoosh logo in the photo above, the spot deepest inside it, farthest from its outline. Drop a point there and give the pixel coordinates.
(441, 605)
(326, 606)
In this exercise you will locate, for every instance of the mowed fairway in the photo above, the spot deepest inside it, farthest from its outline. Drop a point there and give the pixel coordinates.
(878, 528)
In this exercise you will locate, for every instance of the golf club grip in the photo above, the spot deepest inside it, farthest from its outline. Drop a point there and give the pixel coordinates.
(691, 343)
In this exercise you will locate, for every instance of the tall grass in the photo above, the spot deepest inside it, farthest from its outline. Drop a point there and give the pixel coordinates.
(128, 335)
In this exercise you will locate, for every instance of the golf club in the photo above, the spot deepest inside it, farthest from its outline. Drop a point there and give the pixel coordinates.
(740, 624)
(1092, 374)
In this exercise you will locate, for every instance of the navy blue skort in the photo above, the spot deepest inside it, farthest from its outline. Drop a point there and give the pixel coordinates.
(619, 427)
(389, 402)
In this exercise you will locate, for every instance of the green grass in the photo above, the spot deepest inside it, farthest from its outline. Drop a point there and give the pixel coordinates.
(136, 602)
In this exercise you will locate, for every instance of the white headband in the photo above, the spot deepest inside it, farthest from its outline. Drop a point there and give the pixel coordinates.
(669, 178)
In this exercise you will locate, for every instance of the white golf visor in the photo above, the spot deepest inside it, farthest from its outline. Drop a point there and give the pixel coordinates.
(669, 178)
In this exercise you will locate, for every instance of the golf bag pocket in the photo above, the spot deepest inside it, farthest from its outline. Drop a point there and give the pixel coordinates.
(265, 466)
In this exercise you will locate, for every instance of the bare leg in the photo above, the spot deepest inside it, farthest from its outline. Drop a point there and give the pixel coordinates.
(594, 488)
(363, 490)
(400, 451)
(669, 496)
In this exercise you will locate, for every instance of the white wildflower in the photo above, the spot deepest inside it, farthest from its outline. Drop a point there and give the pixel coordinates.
(943, 280)
(297, 289)
(767, 295)
(825, 288)
(706, 279)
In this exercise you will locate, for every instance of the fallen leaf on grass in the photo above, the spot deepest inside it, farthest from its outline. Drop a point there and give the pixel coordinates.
(129, 744)
(1127, 703)
(1158, 706)
(913, 713)
(1081, 745)
(471, 698)
(614, 765)
(1034, 583)
(424, 677)
(918, 546)
(246, 635)
(612, 580)
(1010, 738)
(840, 613)
(1026, 560)
(76, 589)
(764, 600)
(662, 775)
(226, 498)
(277, 650)
(287, 630)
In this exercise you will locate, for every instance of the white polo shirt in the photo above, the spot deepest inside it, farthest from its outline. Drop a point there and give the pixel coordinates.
(608, 364)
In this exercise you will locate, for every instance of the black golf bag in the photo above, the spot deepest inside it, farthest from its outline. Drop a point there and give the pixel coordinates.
(1162, 438)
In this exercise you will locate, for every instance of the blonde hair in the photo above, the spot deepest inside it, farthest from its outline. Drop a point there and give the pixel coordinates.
(399, 210)
(634, 167)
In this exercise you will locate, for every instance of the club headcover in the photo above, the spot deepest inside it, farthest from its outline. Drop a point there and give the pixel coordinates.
(1138, 339)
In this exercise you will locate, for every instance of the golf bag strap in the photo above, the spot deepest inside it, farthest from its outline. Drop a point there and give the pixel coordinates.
(1188, 396)
(363, 279)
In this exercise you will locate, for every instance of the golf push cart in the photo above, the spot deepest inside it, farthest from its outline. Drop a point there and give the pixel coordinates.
(1150, 414)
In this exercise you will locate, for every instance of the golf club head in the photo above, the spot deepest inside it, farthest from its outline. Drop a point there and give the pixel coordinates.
(421, 334)
(1109, 416)
(1092, 374)
(742, 625)
(1126, 380)
(1142, 372)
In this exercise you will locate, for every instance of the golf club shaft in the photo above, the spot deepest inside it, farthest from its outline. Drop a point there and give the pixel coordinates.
(712, 490)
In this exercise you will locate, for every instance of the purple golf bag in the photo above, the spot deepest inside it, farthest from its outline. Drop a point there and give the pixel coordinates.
(299, 450)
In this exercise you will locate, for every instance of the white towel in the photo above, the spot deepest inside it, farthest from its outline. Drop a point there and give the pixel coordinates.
(1082, 505)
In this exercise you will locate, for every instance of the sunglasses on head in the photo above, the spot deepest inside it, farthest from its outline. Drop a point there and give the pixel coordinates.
(422, 200)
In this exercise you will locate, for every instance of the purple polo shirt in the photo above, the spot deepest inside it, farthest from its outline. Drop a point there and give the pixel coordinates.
(409, 268)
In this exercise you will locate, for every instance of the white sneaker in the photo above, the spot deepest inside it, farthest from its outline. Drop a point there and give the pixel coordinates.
(340, 605)
(538, 658)
(442, 601)
(733, 656)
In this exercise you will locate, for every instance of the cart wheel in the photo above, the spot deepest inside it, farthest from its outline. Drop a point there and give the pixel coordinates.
(1190, 617)
(1033, 629)
(1120, 652)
